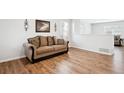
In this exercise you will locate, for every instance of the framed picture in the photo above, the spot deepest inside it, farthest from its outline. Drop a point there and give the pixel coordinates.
(42, 26)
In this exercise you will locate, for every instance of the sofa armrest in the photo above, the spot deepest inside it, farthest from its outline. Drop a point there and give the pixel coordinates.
(66, 42)
(30, 51)
(63, 42)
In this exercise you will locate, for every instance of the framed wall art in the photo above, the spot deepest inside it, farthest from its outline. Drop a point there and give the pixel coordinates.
(42, 26)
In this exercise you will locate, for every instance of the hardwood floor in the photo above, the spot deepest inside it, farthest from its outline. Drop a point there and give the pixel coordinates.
(76, 61)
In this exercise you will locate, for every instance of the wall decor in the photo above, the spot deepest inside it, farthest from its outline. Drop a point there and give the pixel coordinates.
(26, 24)
(42, 26)
(55, 27)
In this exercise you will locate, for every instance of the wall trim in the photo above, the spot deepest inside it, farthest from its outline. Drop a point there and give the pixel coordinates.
(110, 54)
(10, 59)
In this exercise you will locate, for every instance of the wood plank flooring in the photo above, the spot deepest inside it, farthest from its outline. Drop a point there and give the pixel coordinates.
(76, 61)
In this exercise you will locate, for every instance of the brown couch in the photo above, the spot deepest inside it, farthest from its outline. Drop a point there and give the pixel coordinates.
(44, 46)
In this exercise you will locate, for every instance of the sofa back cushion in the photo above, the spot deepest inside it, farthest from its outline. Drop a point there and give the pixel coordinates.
(55, 40)
(34, 41)
(60, 41)
(50, 40)
(43, 41)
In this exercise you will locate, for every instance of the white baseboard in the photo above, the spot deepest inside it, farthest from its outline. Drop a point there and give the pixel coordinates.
(94, 51)
(1, 61)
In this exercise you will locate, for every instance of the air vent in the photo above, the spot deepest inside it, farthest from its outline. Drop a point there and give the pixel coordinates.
(104, 50)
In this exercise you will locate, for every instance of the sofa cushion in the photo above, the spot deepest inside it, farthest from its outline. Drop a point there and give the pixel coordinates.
(44, 49)
(60, 41)
(59, 47)
(50, 40)
(34, 41)
(43, 41)
(55, 40)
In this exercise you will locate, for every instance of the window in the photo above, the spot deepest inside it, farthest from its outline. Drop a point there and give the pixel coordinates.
(65, 30)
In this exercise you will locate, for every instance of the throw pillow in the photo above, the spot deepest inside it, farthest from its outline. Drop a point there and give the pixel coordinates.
(50, 40)
(35, 41)
(43, 41)
(60, 41)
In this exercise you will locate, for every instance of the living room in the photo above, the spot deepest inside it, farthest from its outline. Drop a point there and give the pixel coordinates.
(61, 46)
(92, 40)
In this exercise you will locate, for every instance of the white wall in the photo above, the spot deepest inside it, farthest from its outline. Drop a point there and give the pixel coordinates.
(13, 35)
(99, 28)
(91, 42)
(31, 31)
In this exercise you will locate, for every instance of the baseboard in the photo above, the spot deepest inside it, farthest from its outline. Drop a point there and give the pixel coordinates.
(94, 51)
(10, 59)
